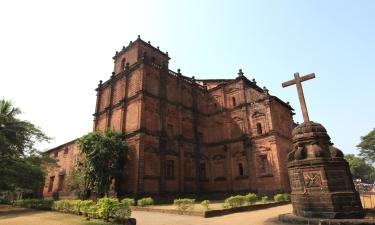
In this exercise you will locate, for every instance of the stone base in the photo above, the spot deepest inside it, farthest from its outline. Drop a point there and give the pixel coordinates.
(293, 219)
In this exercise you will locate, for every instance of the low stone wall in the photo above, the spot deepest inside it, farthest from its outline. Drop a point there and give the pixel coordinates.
(213, 213)
(293, 219)
(221, 212)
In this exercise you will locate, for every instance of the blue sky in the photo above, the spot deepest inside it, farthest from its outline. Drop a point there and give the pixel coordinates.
(54, 53)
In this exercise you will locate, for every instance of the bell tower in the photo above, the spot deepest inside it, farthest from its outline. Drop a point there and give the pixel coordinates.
(137, 50)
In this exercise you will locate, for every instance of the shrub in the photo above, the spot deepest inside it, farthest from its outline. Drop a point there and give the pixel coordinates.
(235, 201)
(107, 207)
(85, 205)
(251, 198)
(145, 202)
(184, 204)
(92, 212)
(66, 206)
(264, 199)
(128, 201)
(206, 204)
(278, 198)
(286, 196)
(45, 204)
(4, 201)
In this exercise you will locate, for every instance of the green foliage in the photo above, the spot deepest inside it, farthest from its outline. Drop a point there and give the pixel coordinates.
(360, 169)
(264, 199)
(143, 202)
(105, 208)
(278, 198)
(45, 204)
(128, 201)
(72, 206)
(105, 155)
(251, 198)
(21, 165)
(76, 181)
(234, 201)
(85, 205)
(184, 204)
(286, 197)
(367, 146)
(205, 204)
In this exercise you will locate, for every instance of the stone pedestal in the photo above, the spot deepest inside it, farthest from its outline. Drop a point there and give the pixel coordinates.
(321, 183)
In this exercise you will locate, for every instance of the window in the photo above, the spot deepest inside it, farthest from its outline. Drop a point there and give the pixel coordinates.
(56, 154)
(240, 169)
(123, 64)
(61, 182)
(50, 185)
(200, 137)
(170, 169)
(264, 166)
(234, 101)
(259, 128)
(202, 171)
(170, 130)
(66, 150)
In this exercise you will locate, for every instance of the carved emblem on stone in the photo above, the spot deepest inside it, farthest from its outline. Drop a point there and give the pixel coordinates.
(312, 179)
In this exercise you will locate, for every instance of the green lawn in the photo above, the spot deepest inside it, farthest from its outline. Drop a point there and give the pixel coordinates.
(13, 216)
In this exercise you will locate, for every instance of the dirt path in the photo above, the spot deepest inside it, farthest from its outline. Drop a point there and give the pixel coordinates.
(12, 216)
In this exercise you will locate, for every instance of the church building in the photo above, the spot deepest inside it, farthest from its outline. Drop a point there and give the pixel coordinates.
(186, 135)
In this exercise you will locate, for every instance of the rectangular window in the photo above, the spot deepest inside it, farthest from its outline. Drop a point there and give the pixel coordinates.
(50, 185)
(56, 154)
(66, 150)
(61, 182)
(170, 130)
(265, 166)
(170, 169)
(202, 171)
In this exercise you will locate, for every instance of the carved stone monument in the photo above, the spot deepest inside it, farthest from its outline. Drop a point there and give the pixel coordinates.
(321, 183)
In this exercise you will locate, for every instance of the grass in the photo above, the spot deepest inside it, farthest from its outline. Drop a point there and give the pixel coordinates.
(17, 216)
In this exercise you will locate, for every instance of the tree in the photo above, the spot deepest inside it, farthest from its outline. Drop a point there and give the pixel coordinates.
(360, 169)
(76, 180)
(105, 155)
(21, 165)
(367, 146)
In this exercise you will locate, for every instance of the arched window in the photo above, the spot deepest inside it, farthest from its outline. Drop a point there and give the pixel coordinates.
(234, 101)
(240, 169)
(123, 63)
(259, 128)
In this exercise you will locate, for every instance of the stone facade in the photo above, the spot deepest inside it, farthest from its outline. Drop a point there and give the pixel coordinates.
(188, 135)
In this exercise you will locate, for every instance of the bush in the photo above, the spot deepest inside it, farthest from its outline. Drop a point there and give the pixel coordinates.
(85, 205)
(286, 196)
(143, 202)
(45, 204)
(206, 204)
(234, 201)
(4, 201)
(264, 199)
(278, 198)
(107, 207)
(128, 201)
(92, 212)
(184, 204)
(251, 198)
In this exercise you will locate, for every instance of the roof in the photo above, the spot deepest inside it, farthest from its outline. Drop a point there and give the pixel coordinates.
(139, 40)
(60, 146)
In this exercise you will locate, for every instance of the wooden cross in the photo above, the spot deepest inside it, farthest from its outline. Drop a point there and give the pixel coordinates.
(298, 82)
